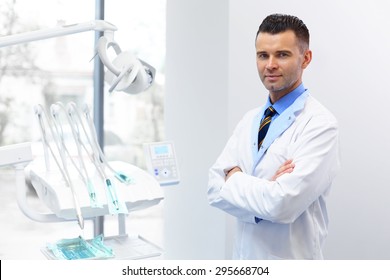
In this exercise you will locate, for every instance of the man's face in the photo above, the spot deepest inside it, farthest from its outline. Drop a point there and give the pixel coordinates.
(280, 62)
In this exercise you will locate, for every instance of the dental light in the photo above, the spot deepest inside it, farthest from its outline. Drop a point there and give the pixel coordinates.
(124, 73)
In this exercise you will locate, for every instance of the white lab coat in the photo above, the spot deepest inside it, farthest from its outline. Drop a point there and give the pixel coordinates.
(291, 217)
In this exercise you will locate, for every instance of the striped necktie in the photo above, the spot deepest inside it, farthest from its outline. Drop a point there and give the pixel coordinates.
(264, 125)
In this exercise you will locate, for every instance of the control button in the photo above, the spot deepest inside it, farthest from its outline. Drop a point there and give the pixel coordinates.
(165, 172)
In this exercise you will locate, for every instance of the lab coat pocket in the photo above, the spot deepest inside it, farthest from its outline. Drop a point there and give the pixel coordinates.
(278, 152)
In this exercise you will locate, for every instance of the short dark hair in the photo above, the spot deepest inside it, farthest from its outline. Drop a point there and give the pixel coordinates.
(277, 23)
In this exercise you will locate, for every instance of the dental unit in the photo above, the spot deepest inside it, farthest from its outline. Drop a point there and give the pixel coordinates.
(71, 174)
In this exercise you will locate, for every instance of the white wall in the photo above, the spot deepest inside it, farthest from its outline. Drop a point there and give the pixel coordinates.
(349, 74)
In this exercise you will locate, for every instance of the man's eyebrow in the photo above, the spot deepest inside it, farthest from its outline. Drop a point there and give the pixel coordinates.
(283, 51)
(277, 52)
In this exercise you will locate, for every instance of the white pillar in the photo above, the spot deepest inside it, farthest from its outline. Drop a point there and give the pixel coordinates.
(196, 121)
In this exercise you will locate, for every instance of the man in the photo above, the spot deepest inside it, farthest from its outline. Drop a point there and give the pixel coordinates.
(275, 182)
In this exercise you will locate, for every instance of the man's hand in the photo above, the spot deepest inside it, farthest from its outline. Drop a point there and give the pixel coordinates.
(286, 167)
(232, 171)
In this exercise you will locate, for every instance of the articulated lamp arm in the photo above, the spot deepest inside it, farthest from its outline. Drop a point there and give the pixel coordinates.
(97, 25)
(125, 73)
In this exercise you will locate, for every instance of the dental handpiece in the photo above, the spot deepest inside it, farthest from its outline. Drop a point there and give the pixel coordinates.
(112, 193)
(60, 147)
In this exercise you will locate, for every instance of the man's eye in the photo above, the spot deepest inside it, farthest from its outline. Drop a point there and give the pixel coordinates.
(283, 54)
(262, 56)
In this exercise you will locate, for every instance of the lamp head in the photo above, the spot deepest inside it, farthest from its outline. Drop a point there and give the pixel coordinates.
(125, 72)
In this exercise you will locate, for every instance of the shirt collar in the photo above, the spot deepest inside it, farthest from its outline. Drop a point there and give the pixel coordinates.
(285, 102)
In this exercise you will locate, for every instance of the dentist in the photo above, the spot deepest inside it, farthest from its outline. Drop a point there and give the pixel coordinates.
(276, 170)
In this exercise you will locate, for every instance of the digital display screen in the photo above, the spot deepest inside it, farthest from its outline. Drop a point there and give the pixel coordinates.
(161, 150)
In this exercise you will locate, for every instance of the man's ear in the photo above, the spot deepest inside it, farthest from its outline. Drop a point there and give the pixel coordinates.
(306, 58)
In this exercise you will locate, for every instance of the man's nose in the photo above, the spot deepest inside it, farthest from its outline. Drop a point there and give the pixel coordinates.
(271, 63)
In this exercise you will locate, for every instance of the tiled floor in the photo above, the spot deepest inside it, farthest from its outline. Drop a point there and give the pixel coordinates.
(22, 238)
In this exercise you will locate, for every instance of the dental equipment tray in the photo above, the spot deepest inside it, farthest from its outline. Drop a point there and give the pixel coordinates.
(144, 191)
(124, 247)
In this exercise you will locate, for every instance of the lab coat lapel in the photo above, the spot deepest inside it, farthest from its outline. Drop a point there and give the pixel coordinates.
(278, 126)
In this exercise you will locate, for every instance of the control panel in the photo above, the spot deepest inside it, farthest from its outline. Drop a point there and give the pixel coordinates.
(161, 162)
